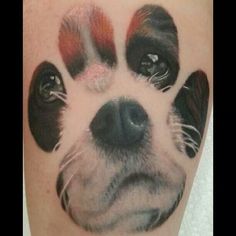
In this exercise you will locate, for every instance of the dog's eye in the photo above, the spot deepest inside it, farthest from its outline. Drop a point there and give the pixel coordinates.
(153, 65)
(49, 86)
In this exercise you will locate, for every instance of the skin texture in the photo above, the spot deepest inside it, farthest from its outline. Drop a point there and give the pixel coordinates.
(76, 62)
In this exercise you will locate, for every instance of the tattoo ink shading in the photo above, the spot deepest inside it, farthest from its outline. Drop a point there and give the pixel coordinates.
(44, 105)
(86, 37)
(71, 46)
(191, 104)
(152, 46)
(102, 35)
(116, 178)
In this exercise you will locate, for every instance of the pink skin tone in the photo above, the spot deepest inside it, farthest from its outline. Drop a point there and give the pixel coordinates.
(94, 71)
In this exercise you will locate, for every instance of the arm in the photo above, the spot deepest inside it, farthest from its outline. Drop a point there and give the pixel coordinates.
(117, 97)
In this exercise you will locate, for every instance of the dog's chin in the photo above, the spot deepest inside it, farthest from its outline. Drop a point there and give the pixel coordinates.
(134, 195)
(136, 209)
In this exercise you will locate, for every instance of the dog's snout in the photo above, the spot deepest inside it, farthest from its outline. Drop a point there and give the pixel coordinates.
(120, 123)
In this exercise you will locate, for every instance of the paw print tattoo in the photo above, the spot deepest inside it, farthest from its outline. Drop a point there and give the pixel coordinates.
(119, 169)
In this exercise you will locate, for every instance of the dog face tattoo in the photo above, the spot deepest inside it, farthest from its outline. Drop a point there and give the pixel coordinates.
(119, 166)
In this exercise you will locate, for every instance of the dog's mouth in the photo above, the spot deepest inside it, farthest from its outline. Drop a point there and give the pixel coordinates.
(151, 184)
(134, 201)
(138, 218)
(121, 185)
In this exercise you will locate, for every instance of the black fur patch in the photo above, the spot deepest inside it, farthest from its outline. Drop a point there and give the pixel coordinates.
(156, 34)
(192, 104)
(44, 116)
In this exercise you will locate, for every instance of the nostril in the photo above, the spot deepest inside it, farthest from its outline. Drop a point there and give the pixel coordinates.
(137, 116)
(135, 120)
(103, 121)
(133, 114)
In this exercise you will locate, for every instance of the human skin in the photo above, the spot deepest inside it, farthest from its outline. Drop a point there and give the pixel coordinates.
(42, 21)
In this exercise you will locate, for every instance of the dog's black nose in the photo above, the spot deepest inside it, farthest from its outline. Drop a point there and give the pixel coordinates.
(120, 123)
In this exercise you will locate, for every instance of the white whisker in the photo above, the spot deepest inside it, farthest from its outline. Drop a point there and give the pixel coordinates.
(192, 145)
(191, 140)
(167, 87)
(61, 96)
(67, 183)
(151, 77)
(186, 87)
(69, 161)
(188, 127)
(56, 146)
(183, 133)
(65, 202)
(61, 93)
(195, 149)
(160, 78)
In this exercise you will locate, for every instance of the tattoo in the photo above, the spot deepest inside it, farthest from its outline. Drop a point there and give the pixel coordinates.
(152, 46)
(85, 35)
(44, 105)
(122, 172)
(191, 105)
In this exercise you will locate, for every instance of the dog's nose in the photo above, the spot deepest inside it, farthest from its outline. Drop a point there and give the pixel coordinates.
(120, 123)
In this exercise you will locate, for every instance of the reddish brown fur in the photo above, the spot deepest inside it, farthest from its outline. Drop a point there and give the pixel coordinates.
(70, 44)
(101, 30)
(136, 23)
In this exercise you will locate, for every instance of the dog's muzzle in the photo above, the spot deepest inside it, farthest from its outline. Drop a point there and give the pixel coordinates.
(117, 180)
